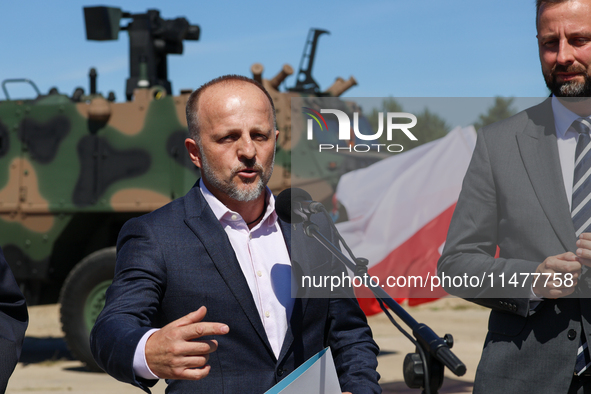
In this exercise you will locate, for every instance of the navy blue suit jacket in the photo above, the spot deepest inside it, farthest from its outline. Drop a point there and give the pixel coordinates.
(178, 258)
(14, 319)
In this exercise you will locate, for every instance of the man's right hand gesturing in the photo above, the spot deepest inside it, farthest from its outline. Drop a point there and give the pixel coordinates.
(172, 353)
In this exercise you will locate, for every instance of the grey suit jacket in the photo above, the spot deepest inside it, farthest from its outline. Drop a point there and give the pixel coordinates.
(513, 197)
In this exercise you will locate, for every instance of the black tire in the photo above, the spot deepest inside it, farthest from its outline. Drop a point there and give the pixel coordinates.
(80, 299)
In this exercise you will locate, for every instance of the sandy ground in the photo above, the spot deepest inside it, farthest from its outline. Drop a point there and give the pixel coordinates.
(46, 366)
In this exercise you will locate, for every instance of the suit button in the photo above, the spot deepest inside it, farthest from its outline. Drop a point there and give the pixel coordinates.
(279, 372)
(572, 334)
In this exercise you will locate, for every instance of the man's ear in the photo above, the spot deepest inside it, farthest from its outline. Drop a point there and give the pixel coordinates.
(194, 152)
(276, 135)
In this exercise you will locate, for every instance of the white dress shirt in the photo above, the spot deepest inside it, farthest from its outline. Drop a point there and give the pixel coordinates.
(265, 263)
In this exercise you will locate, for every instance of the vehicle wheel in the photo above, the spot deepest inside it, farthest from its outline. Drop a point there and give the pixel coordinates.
(82, 298)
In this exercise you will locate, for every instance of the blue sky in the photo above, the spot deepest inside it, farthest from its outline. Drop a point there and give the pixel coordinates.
(400, 48)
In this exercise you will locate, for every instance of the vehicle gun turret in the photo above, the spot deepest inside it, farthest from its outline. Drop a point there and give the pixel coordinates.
(151, 40)
(321, 172)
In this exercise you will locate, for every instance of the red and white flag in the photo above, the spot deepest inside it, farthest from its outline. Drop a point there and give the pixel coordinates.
(399, 211)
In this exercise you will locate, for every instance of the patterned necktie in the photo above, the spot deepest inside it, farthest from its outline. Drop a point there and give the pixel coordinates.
(581, 211)
(580, 206)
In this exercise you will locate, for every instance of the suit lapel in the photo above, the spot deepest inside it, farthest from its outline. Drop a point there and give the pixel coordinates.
(201, 220)
(539, 152)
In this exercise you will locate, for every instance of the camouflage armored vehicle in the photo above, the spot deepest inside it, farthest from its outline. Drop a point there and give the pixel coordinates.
(74, 168)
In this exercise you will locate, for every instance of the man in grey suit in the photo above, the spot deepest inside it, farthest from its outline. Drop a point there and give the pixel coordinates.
(526, 192)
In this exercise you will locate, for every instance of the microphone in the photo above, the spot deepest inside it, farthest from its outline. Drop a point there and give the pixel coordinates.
(295, 205)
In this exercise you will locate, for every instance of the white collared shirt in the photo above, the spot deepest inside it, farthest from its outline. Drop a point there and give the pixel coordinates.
(265, 263)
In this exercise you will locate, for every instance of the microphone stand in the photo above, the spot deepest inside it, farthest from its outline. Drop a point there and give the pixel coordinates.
(423, 369)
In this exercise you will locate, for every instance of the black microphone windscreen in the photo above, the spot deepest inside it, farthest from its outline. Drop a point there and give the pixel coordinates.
(283, 204)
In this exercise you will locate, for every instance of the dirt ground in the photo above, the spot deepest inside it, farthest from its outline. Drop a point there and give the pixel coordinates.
(47, 367)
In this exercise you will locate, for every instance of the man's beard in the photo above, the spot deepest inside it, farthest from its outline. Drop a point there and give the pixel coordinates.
(229, 186)
(568, 88)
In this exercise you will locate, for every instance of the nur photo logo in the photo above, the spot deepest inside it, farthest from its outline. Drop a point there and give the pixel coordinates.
(348, 131)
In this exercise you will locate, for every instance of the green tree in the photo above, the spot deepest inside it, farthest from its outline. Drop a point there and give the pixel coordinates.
(501, 109)
(388, 105)
(429, 127)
